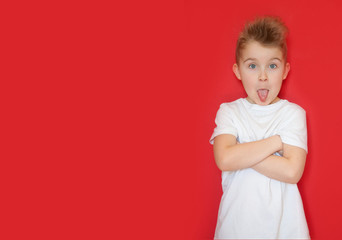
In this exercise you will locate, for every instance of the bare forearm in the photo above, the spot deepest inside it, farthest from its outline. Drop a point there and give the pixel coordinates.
(276, 167)
(246, 155)
(283, 169)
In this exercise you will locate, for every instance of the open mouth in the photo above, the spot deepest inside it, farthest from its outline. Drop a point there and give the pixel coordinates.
(263, 93)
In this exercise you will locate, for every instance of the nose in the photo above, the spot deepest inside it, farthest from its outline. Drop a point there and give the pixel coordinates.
(263, 76)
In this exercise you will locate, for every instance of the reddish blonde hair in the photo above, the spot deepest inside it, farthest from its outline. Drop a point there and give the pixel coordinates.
(268, 31)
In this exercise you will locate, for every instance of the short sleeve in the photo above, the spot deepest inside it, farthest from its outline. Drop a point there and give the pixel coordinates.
(294, 131)
(224, 123)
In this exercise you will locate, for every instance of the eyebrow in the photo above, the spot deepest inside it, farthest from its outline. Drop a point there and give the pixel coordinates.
(253, 59)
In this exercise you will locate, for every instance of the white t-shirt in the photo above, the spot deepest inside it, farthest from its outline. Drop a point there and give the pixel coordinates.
(253, 205)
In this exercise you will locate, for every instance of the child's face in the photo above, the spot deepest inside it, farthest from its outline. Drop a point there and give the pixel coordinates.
(262, 71)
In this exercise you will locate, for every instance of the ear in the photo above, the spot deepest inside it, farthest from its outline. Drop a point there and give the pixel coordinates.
(286, 70)
(236, 71)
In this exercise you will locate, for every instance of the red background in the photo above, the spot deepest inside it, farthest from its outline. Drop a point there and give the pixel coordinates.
(314, 83)
(107, 110)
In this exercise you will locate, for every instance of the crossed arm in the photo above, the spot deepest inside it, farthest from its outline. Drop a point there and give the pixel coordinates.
(230, 156)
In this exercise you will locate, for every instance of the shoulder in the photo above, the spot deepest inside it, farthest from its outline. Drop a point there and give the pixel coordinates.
(293, 114)
(228, 110)
(291, 108)
(231, 106)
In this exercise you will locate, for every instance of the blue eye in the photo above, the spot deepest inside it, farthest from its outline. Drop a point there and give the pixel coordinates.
(252, 66)
(273, 66)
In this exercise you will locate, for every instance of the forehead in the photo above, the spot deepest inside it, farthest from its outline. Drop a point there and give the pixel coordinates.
(255, 50)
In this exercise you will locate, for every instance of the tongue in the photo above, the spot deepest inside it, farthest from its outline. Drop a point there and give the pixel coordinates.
(263, 94)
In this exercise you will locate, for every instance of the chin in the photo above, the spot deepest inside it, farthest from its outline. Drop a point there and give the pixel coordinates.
(259, 102)
(264, 103)
(267, 102)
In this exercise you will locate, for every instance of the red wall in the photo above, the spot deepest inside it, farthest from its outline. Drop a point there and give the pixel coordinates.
(314, 83)
(107, 108)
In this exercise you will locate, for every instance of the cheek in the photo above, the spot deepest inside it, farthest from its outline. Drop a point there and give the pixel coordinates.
(277, 79)
(247, 77)
(250, 79)
(248, 85)
(278, 84)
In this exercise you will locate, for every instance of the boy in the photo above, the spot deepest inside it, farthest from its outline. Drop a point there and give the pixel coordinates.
(260, 143)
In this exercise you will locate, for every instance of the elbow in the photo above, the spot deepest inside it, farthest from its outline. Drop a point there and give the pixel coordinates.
(292, 180)
(227, 160)
(222, 167)
(294, 177)
(224, 164)
(220, 164)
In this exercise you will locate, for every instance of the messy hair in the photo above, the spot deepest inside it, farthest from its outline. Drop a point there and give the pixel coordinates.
(268, 31)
